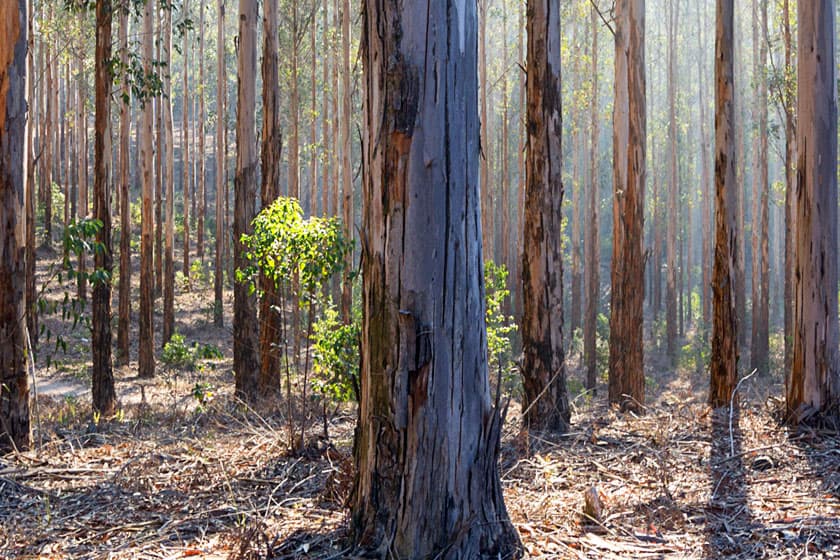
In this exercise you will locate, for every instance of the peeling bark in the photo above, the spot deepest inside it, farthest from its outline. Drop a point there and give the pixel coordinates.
(146, 357)
(104, 396)
(14, 382)
(813, 386)
(427, 441)
(545, 400)
(270, 326)
(627, 374)
(724, 357)
(246, 365)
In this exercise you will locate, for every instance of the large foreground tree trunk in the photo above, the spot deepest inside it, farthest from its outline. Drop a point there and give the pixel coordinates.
(546, 402)
(627, 374)
(104, 396)
(14, 384)
(724, 358)
(246, 365)
(813, 385)
(427, 482)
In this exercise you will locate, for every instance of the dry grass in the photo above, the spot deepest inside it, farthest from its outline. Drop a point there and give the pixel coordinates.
(171, 478)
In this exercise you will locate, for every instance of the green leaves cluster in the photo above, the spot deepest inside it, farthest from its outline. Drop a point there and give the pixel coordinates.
(500, 327)
(336, 357)
(284, 243)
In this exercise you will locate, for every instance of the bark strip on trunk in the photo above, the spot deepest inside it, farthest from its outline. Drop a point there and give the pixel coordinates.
(627, 374)
(427, 442)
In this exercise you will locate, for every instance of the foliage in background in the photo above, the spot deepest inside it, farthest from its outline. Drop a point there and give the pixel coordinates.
(336, 356)
(177, 353)
(500, 327)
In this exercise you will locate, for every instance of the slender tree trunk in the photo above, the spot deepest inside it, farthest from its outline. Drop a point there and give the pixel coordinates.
(760, 350)
(577, 184)
(789, 93)
(245, 337)
(724, 357)
(673, 191)
(14, 397)
(269, 378)
(484, 176)
(593, 258)
(426, 451)
(124, 319)
(545, 402)
(104, 396)
(325, 121)
(185, 144)
(707, 260)
(49, 114)
(201, 194)
(656, 260)
(504, 182)
(30, 186)
(346, 169)
(147, 282)
(518, 204)
(159, 166)
(169, 185)
(312, 197)
(627, 373)
(81, 153)
(221, 152)
(813, 385)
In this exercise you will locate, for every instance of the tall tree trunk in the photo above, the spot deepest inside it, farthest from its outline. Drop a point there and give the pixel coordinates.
(592, 242)
(221, 153)
(656, 257)
(246, 364)
(159, 166)
(426, 451)
(813, 385)
(577, 185)
(147, 281)
(270, 326)
(169, 185)
(487, 242)
(312, 197)
(627, 373)
(346, 169)
(81, 153)
(325, 121)
(671, 319)
(185, 144)
(545, 401)
(14, 383)
(707, 260)
(724, 357)
(201, 191)
(30, 186)
(760, 349)
(124, 314)
(104, 396)
(789, 94)
(504, 182)
(49, 114)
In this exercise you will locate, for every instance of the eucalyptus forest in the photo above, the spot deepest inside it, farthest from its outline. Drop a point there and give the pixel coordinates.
(394, 279)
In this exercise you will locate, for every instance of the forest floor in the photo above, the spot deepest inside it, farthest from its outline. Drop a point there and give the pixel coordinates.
(184, 470)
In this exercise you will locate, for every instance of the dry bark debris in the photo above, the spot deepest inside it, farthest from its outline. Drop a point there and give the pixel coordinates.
(218, 484)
